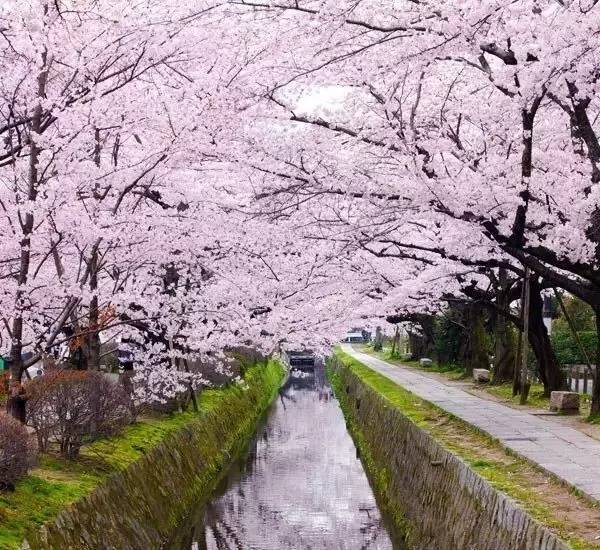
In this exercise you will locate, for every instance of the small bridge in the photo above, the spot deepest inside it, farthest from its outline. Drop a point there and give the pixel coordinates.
(303, 360)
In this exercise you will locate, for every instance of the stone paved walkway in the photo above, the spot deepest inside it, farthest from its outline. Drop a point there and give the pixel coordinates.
(565, 452)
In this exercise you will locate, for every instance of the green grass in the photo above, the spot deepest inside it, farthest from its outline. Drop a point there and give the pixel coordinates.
(593, 419)
(536, 396)
(502, 469)
(451, 371)
(55, 482)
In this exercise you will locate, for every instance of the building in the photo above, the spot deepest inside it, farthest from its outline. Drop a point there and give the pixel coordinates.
(357, 336)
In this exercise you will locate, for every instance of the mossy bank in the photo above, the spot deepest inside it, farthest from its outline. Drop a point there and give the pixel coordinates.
(436, 499)
(131, 492)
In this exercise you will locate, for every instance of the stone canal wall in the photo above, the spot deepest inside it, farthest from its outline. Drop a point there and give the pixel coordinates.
(138, 508)
(435, 497)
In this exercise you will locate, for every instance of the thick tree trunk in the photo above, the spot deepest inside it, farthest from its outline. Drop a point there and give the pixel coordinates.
(475, 354)
(422, 345)
(16, 404)
(550, 372)
(504, 346)
(395, 342)
(416, 345)
(427, 323)
(504, 352)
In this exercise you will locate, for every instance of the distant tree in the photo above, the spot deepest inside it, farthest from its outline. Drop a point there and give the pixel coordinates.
(580, 313)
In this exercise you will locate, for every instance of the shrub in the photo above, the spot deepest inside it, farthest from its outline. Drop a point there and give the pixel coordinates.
(69, 407)
(566, 348)
(4, 378)
(17, 452)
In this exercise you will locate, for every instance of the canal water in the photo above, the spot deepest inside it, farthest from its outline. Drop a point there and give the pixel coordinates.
(300, 484)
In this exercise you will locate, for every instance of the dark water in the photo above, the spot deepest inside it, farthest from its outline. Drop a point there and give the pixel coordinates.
(299, 486)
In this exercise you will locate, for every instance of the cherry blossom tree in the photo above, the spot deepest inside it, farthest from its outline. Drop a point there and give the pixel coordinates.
(206, 175)
(105, 105)
(480, 113)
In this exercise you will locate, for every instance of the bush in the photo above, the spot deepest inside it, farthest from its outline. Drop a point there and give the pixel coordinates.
(4, 379)
(17, 452)
(69, 407)
(567, 351)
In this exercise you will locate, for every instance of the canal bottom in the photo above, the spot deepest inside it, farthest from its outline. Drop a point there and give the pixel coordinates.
(299, 485)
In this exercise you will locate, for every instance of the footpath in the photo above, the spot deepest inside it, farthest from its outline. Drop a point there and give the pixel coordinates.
(562, 451)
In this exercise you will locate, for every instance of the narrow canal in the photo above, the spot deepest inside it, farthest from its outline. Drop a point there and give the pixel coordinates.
(300, 485)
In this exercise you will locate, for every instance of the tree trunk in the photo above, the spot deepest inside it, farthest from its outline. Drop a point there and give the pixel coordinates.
(395, 342)
(550, 372)
(378, 343)
(16, 404)
(475, 350)
(92, 339)
(422, 345)
(504, 352)
(427, 324)
(504, 346)
(192, 393)
(416, 345)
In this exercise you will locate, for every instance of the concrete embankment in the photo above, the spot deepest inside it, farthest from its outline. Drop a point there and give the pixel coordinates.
(433, 496)
(139, 507)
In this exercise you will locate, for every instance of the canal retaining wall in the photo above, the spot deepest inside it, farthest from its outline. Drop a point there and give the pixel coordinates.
(435, 497)
(138, 508)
